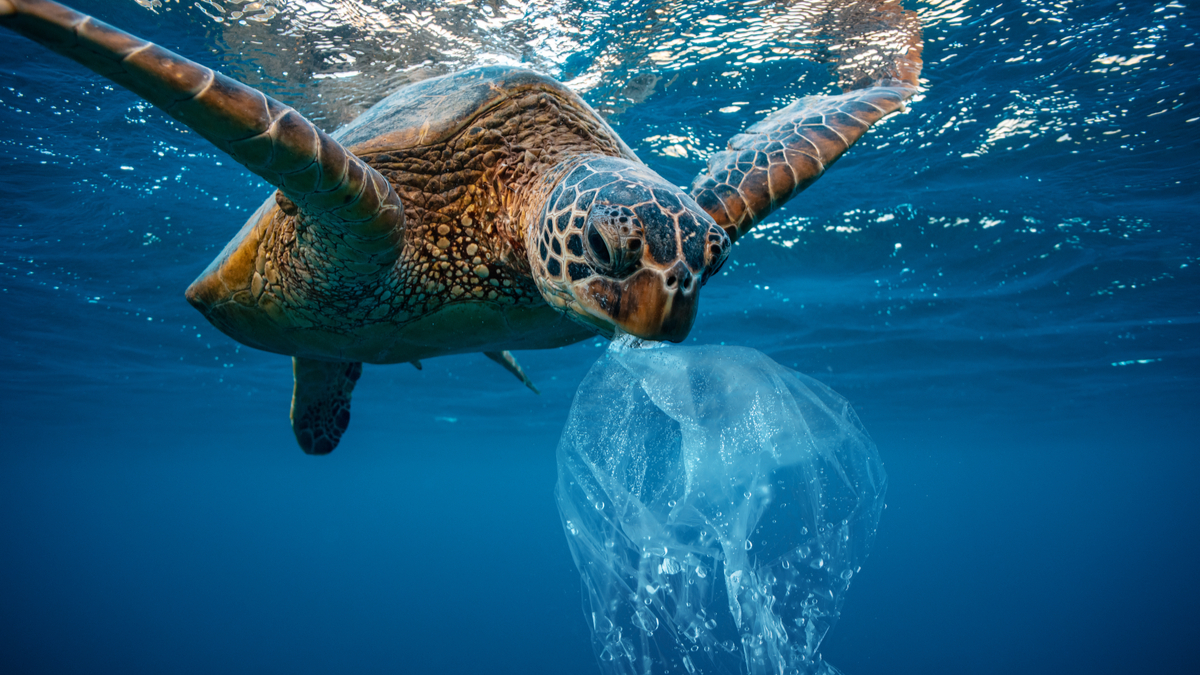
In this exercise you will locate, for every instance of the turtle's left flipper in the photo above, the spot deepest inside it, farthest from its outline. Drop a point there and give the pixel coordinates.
(773, 160)
(321, 402)
(510, 364)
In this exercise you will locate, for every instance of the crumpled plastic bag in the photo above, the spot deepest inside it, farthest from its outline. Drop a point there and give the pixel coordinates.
(717, 505)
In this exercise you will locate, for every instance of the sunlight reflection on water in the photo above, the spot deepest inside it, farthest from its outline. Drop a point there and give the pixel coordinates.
(353, 53)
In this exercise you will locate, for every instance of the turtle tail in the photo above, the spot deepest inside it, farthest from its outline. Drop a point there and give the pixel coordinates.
(330, 187)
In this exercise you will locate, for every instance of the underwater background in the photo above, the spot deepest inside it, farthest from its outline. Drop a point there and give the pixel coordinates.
(1003, 282)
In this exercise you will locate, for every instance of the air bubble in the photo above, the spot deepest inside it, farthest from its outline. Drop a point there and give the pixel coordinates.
(645, 620)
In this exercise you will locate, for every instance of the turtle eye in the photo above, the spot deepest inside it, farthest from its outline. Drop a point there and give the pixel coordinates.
(598, 245)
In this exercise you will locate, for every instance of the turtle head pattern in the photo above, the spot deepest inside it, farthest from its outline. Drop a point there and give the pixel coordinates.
(621, 250)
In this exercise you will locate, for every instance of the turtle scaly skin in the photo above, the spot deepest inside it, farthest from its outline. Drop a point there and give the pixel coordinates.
(654, 245)
(483, 211)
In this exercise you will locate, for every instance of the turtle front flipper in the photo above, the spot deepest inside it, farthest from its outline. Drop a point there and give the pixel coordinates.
(339, 201)
(510, 364)
(878, 62)
(321, 402)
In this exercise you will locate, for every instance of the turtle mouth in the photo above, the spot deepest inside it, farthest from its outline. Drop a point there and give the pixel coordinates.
(651, 304)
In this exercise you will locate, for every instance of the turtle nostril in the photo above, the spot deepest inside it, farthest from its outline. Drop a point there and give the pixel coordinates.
(675, 274)
(687, 282)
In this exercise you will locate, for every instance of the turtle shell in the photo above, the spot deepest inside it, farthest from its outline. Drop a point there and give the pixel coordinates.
(436, 109)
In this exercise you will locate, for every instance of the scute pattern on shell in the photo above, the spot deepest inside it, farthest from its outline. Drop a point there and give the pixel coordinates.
(432, 111)
(464, 201)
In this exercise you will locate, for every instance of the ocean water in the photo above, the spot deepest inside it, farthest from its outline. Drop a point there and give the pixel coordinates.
(1003, 281)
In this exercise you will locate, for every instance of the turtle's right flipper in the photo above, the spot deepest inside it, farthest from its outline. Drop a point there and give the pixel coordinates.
(321, 402)
(878, 49)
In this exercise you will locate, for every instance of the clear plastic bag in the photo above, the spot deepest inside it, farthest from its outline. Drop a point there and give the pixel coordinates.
(717, 505)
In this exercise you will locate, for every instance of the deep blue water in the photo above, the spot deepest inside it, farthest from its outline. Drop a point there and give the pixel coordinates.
(1002, 281)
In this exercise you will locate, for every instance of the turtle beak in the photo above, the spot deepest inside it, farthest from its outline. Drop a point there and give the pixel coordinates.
(651, 304)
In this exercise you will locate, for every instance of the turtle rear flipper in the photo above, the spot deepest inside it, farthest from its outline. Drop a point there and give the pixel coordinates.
(510, 364)
(321, 402)
(878, 49)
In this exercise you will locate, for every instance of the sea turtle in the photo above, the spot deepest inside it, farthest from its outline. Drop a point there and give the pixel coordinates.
(482, 211)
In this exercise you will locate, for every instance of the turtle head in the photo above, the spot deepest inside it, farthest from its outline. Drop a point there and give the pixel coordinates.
(619, 249)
